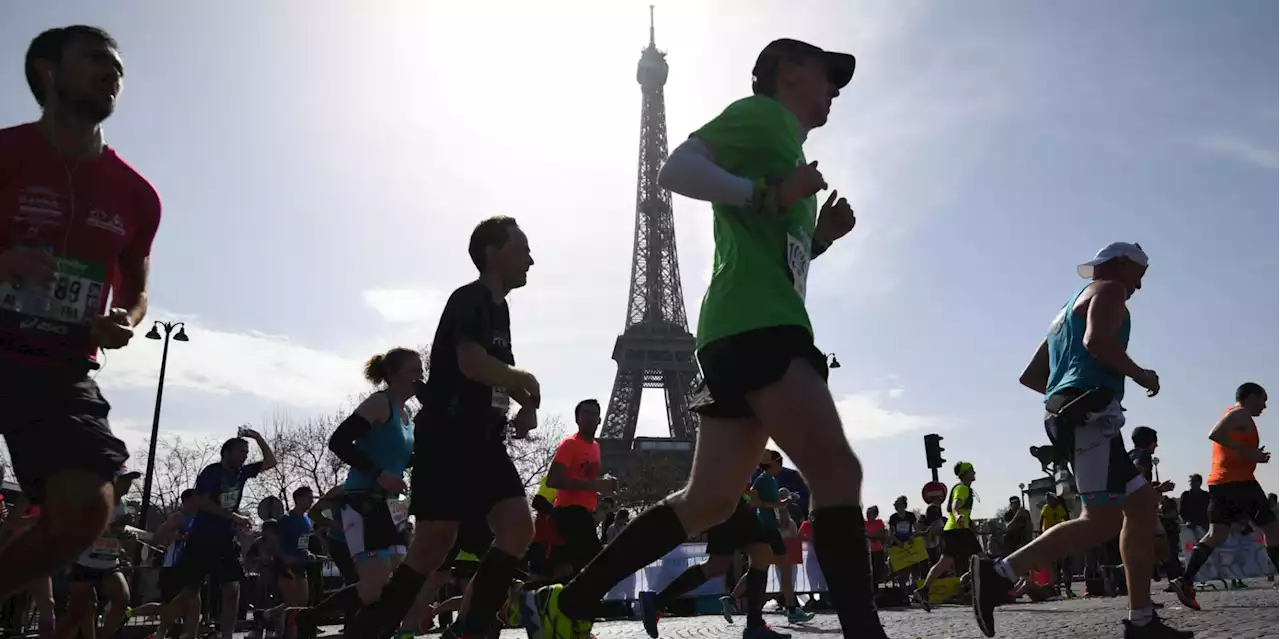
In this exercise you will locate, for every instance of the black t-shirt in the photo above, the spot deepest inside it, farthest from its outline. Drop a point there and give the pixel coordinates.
(902, 525)
(1142, 460)
(452, 404)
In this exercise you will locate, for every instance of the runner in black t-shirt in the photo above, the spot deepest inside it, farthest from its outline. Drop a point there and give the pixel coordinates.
(462, 471)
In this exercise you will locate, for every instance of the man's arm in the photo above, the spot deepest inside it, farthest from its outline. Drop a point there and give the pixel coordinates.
(1236, 420)
(169, 529)
(134, 272)
(691, 171)
(205, 502)
(1036, 375)
(268, 457)
(559, 479)
(1106, 315)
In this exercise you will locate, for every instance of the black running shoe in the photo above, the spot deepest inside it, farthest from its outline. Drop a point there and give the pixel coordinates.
(990, 589)
(1155, 629)
(921, 598)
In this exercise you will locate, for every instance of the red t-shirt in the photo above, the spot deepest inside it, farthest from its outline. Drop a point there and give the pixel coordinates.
(581, 460)
(875, 526)
(91, 215)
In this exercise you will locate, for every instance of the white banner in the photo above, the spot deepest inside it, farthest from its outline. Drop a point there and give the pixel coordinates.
(1240, 557)
(655, 576)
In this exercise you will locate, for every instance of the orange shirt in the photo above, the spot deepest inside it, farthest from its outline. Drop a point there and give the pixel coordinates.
(581, 461)
(1230, 466)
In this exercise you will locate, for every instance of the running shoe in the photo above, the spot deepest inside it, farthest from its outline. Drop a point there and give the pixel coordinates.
(921, 598)
(728, 607)
(544, 620)
(796, 615)
(649, 612)
(990, 589)
(1186, 592)
(1155, 629)
(763, 632)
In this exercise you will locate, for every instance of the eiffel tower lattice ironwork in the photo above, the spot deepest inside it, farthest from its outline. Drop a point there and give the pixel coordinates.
(655, 349)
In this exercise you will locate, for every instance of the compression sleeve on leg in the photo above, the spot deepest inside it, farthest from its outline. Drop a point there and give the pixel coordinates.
(343, 444)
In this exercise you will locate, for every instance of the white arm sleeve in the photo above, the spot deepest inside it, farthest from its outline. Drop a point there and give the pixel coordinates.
(691, 171)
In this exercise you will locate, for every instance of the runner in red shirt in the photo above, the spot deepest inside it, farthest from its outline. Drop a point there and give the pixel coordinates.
(76, 225)
(575, 473)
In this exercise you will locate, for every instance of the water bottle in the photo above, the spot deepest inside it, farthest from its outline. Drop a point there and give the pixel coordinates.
(31, 299)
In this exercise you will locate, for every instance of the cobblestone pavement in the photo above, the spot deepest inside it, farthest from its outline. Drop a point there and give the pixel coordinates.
(1237, 614)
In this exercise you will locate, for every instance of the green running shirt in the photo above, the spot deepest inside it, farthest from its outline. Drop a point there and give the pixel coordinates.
(761, 262)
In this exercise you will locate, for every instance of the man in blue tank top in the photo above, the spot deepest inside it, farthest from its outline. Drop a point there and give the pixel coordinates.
(1080, 368)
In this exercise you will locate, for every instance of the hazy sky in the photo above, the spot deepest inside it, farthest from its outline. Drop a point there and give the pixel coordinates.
(322, 163)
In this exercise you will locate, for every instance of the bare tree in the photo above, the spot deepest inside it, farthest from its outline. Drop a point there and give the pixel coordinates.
(532, 455)
(179, 461)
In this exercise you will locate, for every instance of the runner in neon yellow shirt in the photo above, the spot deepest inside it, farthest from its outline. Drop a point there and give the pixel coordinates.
(958, 540)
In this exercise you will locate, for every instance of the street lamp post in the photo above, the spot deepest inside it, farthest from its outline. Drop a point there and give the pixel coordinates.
(832, 362)
(154, 333)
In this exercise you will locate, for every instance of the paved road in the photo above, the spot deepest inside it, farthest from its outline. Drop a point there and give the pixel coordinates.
(1238, 614)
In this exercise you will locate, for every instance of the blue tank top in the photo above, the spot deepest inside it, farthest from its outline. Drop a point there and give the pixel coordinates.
(174, 552)
(1070, 365)
(389, 445)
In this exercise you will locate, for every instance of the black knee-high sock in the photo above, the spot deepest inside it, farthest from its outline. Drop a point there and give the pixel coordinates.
(688, 580)
(757, 581)
(488, 590)
(378, 619)
(646, 539)
(839, 540)
(345, 599)
(1199, 554)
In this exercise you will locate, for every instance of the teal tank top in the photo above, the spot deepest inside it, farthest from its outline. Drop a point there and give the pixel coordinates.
(1070, 365)
(389, 445)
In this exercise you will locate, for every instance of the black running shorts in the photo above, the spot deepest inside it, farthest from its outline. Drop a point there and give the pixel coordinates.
(368, 527)
(475, 537)
(740, 530)
(170, 584)
(53, 421)
(216, 559)
(960, 543)
(457, 477)
(577, 527)
(1239, 501)
(341, 555)
(739, 364)
(78, 574)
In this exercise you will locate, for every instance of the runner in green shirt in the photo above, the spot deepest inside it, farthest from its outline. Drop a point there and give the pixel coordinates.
(958, 540)
(762, 375)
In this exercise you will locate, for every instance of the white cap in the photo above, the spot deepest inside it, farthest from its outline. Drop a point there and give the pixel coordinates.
(1114, 250)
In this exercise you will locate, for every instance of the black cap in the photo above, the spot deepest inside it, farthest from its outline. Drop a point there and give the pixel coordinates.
(840, 66)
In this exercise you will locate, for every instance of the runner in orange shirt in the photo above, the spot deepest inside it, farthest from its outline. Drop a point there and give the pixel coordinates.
(1234, 494)
(575, 474)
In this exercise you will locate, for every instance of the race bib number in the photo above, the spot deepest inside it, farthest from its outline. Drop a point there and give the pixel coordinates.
(500, 402)
(399, 509)
(105, 548)
(230, 499)
(798, 261)
(304, 542)
(62, 310)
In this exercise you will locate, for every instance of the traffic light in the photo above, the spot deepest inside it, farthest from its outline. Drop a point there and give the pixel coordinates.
(933, 450)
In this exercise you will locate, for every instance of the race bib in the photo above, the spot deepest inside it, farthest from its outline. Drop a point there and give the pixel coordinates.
(304, 542)
(230, 499)
(798, 255)
(500, 401)
(64, 309)
(399, 509)
(105, 548)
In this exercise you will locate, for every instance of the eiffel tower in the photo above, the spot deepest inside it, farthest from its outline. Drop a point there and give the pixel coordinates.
(655, 350)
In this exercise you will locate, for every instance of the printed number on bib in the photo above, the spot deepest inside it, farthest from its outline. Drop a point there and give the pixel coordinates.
(230, 499)
(399, 511)
(106, 547)
(304, 542)
(798, 262)
(74, 298)
(500, 401)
